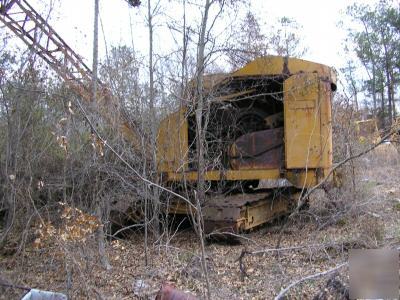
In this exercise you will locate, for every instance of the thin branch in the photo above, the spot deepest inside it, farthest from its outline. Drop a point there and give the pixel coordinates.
(310, 277)
(149, 182)
(393, 131)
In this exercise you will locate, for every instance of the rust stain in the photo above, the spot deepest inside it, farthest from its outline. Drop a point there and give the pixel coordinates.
(258, 150)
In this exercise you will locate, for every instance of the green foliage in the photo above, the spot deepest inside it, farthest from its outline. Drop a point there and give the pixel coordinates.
(375, 39)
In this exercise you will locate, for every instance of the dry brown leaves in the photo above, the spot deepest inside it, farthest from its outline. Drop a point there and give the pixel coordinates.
(177, 259)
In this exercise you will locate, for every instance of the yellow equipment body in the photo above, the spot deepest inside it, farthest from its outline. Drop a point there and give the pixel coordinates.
(367, 130)
(281, 108)
(307, 89)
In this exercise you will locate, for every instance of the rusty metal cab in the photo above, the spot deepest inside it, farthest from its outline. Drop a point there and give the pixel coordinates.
(286, 101)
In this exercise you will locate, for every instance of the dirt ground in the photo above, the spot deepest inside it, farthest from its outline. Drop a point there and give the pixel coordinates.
(368, 216)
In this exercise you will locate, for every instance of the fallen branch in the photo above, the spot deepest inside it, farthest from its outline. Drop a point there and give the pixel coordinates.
(269, 250)
(303, 198)
(14, 286)
(333, 286)
(350, 158)
(310, 277)
(343, 244)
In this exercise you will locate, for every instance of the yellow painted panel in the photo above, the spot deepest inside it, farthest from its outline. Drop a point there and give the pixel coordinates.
(172, 143)
(252, 174)
(325, 98)
(302, 118)
(228, 175)
(308, 122)
(192, 176)
(274, 65)
(305, 104)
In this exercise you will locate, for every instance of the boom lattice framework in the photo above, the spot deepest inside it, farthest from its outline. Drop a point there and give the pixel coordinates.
(21, 18)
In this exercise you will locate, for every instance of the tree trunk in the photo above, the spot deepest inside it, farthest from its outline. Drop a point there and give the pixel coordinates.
(99, 206)
(200, 137)
(389, 95)
(392, 81)
(388, 80)
(184, 56)
(154, 192)
(374, 89)
(383, 117)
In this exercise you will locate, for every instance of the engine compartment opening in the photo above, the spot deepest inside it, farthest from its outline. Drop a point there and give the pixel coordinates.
(241, 111)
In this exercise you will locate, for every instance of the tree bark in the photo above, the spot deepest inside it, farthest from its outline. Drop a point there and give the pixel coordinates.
(388, 80)
(99, 206)
(154, 193)
(200, 136)
(382, 92)
(374, 89)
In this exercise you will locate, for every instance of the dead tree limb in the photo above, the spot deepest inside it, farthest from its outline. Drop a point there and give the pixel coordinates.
(303, 198)
(283, 292)
(350, 158)
(245, 252)
(125, 162)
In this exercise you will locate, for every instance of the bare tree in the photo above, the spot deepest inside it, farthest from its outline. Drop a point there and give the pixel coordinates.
(286, 38)
(99, 205)
(200, 135)
(247, 42)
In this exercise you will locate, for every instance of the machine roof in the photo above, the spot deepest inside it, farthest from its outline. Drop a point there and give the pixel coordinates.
(272, 66)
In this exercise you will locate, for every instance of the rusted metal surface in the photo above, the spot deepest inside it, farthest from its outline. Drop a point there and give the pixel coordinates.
(258, 150)
(274, 121)
(233, 201)
(308, 127)
(241, 212)
(169, 292)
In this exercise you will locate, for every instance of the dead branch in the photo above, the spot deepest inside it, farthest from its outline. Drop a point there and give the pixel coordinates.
(305, 196)
(333, 285)
(7, 284)
(346, 160)
(283, 292)
(245, 252)
(127, 164)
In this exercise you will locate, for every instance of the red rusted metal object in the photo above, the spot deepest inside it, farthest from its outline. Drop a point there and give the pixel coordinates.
(258, 150)
(169, 292)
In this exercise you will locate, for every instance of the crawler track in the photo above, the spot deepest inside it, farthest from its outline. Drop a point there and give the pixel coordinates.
(241, 212)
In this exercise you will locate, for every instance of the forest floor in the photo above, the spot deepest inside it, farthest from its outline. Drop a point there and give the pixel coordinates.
(368, 216)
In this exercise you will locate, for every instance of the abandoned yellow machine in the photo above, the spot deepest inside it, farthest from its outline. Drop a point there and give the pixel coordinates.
(268, 121)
